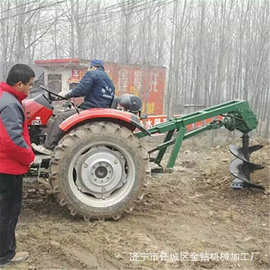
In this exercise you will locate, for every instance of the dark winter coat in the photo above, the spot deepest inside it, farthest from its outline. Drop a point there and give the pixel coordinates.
(97, 89)
(16, 152)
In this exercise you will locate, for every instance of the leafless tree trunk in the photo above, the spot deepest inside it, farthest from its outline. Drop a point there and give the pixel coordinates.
(214, 50)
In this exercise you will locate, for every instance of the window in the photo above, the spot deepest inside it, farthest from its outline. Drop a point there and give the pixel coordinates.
(55, 82)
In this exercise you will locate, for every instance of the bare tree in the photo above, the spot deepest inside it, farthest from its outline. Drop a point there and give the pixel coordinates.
(214, 50)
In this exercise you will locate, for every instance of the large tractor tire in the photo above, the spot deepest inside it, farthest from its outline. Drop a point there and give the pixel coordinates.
(98, 170)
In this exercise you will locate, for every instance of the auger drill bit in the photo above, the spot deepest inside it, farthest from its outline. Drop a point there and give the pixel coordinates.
(241, 167)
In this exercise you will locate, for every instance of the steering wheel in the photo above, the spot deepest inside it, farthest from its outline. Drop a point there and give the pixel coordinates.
(52, 94)
(58, 97)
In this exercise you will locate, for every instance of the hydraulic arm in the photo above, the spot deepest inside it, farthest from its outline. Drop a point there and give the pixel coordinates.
(233, 115)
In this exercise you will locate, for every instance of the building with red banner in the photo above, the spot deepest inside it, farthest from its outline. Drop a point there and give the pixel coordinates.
(146, 82)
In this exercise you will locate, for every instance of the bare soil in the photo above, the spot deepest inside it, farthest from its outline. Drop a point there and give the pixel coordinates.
(188, 219)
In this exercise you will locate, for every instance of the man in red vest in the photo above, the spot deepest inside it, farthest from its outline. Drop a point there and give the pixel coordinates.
(16, 155)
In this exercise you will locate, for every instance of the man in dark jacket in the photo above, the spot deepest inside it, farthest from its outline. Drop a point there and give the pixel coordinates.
(98, 91)
(96, 87)
(16, 155)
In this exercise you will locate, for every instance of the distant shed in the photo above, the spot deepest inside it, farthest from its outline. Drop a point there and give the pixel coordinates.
(147, 82)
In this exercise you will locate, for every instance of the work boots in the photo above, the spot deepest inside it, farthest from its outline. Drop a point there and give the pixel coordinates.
(41, 149)
(19, 257)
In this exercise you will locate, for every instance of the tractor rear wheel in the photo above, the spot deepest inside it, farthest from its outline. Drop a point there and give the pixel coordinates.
(98, 170)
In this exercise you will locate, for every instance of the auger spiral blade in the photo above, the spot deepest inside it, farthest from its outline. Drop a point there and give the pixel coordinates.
(238, 152)
(241, 171)
(241, 167)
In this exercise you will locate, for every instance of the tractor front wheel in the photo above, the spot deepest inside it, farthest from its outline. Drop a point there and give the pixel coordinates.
(98, 170)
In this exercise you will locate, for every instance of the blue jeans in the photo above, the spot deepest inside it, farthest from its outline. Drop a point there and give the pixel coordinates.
(10, 207)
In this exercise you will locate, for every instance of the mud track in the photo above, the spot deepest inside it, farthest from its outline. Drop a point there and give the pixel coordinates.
(189, 219)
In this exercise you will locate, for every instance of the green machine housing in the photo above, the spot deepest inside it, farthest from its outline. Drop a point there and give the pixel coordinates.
(236, 115)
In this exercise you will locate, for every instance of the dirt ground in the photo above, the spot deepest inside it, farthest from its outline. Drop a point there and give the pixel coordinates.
(188, 219)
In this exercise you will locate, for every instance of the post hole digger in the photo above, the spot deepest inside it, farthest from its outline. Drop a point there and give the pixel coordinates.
(98, 166)
(234, 115)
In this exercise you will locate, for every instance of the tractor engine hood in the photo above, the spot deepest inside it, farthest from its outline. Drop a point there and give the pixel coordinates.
(38, 110)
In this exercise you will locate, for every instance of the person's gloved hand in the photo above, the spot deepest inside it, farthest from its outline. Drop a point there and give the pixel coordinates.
(68, 94)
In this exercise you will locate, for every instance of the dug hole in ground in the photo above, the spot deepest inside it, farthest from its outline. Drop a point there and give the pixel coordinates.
(189, 219)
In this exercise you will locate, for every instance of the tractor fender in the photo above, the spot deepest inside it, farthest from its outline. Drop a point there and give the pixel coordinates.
(128, 119)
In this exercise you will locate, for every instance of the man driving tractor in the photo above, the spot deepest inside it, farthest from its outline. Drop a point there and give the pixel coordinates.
(98, 91)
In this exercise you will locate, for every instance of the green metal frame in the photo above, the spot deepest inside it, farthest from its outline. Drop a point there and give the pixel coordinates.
(236, 115)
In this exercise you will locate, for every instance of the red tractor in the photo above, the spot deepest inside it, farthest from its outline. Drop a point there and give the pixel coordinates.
(98, 167)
